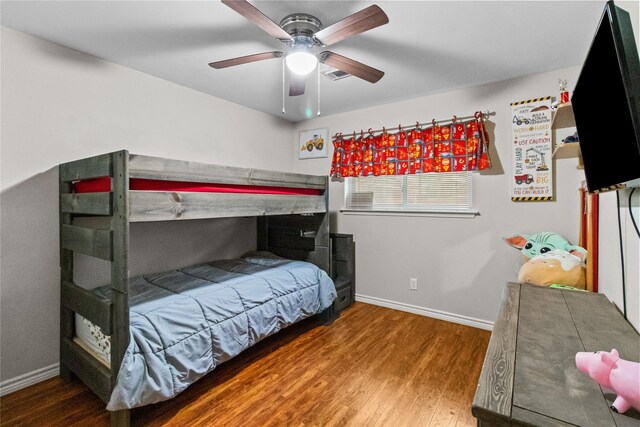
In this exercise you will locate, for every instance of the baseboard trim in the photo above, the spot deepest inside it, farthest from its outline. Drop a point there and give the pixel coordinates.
(428, 312)
(30, 378)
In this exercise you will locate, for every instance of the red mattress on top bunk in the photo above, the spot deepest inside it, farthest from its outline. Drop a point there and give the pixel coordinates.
(103, 184)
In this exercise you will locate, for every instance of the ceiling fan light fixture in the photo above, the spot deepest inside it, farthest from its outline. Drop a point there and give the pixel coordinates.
(301, 62)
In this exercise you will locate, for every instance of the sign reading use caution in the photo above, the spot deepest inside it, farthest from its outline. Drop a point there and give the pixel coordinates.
(532, 179)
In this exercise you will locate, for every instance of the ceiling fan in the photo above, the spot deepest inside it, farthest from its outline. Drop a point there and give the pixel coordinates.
(302, 32)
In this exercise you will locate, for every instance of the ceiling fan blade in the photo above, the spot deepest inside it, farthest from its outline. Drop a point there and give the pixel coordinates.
(246, 59)
(351, 66)
(359, 22)
(296, 85)
(247, 10)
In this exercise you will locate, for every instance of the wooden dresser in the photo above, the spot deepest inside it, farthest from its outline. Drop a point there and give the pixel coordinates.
(529, 375)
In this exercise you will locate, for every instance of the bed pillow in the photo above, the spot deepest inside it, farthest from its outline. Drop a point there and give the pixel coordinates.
(263, 258)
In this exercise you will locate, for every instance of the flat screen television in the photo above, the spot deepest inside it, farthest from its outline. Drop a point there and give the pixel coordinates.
(606, 105)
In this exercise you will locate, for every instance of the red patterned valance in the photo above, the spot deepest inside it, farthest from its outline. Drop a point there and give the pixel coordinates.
(459, 146)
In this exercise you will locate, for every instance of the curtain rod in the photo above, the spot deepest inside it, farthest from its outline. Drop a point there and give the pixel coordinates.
(418, 125)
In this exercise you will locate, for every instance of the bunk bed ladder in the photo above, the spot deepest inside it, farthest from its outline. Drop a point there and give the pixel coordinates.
(111, 245)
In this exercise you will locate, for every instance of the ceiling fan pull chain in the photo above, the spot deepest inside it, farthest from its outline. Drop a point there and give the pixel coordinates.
(318, 68)
(283, 110)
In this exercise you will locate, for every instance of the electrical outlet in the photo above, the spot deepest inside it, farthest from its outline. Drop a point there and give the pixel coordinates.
(413, 283)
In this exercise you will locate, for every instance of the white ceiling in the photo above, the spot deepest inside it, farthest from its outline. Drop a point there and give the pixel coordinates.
(427, 47)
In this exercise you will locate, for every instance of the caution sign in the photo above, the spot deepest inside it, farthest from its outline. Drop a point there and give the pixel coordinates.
(532, 168)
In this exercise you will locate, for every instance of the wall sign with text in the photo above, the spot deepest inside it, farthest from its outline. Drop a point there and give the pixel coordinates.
(531, 136)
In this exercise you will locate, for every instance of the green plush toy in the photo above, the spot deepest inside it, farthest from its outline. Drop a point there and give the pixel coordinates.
(536, 244)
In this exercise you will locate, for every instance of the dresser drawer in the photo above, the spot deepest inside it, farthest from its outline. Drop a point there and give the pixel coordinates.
(343, 300)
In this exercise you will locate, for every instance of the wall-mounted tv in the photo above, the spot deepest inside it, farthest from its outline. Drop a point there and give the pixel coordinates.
(606, 105)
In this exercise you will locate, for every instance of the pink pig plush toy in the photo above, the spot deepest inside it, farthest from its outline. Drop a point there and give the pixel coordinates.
(621, 376)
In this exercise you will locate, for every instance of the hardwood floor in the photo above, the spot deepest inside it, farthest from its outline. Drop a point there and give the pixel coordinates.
(372, 366)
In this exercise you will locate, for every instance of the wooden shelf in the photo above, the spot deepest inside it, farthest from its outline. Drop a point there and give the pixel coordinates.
(563, 117)
(568, 151)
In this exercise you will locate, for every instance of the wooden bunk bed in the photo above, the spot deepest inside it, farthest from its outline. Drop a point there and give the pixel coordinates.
(293, 225)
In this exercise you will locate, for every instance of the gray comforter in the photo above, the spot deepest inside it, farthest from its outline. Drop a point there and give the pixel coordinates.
(186, 322)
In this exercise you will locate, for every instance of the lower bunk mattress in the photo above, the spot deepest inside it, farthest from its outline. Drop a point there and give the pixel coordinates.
(186, 322)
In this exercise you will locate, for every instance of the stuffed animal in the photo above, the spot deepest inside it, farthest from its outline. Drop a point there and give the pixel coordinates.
(554, 267)
(540, 243)
(612, 372)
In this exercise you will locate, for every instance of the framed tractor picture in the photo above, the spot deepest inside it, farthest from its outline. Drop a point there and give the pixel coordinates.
(313, 144)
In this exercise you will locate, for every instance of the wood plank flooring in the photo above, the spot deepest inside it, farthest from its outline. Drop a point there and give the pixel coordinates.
(372, 366)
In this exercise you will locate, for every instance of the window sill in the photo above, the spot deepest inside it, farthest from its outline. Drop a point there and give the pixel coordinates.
(399, 212)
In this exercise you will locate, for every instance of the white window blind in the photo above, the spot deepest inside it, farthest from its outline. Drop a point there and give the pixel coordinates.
(424, 192)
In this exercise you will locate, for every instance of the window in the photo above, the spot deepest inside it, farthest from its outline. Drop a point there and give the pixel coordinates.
(433, 192)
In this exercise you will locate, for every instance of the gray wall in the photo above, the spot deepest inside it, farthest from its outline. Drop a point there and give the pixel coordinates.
(59, 105)
(461, 264)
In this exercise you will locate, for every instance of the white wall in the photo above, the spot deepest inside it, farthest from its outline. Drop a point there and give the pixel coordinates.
(59, 105)
(609, 265)
(461, 264)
